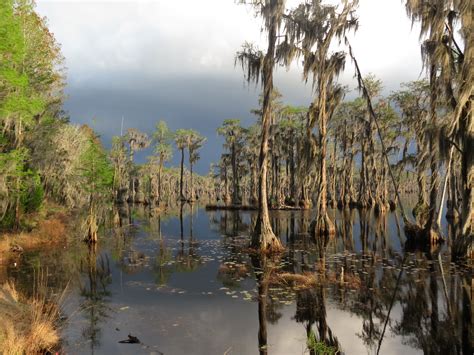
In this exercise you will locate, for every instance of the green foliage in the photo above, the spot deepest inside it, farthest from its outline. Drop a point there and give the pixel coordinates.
(231, 130)
(30, 89)
(20, 101)
(33, 194)
(12, 166)
(8, 220)
(180, 138)
(96, 171)
(319, 347)
(162, 138)
(20, 187)
(121, 163)
(196, 141)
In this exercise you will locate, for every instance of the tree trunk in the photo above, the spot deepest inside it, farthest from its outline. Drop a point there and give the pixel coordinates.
(372, 174)
(293, 190)
(227, 198)
(465, 244)
(345, 170)
(431, 228)
(132, 178)
(191, 183)
(363, 199)
(467, 170)
(277, 182)
(263, 238)
(160, 177)
(235, 187)
(349, 184)
(323, 225)
(181, 194)
(334, 173)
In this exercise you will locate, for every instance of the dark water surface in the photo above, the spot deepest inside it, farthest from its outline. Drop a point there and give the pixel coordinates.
(188, 286)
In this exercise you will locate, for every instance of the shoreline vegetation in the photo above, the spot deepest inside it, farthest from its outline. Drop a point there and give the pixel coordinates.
(48, 227)
(334, 153)
(30, 323)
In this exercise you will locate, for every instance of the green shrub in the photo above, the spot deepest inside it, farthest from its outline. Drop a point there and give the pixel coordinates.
(8, 220)
(33, 195)
(319, 347)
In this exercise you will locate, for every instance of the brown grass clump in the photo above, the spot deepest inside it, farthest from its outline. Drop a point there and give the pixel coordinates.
(299, 281)
(51, 230)
(28, 325)
(349, 280)
(47, 232)
(309, 280)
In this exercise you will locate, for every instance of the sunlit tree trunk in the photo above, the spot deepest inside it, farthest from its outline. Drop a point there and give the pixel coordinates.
(191, 183)
(263, 237)
(334, 173)
(253, 183)
(160, 178)
(323, 225)
(235, 176)
(363, 189)
(292, 168)
(181, 175)
(430, 225)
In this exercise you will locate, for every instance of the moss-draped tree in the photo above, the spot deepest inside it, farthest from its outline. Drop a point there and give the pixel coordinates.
(256, 64)
(450, 68)
(311, 28)
(163, 151)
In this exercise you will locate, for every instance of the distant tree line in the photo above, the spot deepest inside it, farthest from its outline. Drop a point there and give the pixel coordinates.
(152, 183)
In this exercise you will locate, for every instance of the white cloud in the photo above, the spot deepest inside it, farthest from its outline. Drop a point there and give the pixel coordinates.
(163, 37)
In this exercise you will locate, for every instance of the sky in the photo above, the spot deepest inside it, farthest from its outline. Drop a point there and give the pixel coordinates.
(151, 60)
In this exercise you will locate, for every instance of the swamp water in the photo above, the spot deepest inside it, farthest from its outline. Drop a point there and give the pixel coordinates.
(187, 285)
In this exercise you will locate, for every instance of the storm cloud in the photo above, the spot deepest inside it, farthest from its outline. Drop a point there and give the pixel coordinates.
(148, 60)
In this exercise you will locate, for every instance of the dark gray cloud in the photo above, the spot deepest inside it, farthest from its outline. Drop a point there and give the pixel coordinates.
(199, 102)
(148, 60)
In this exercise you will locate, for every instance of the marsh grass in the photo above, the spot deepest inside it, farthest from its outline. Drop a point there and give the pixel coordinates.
(307, 280)
(30, 324)
(46, 232)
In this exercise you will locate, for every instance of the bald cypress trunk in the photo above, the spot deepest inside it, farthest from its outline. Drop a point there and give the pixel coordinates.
(254, 184)
(465, 244)
(235, 182)
(467, 171)
(431, 228)
(191, 183)
(334, 173)
(372, 168)
(349, 195)
(181, 194)
(363, 188)
(292, 170)
(160, 177)
(323, 225)
(263, 237)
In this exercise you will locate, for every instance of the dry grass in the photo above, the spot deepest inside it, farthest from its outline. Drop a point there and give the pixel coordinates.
(350, 280)
(47, 232)
(309, 280)
(299, 281)
(29, 325)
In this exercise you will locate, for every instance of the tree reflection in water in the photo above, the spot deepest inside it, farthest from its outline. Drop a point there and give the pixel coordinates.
(95, 294)
(263, 268)
(390, 291)
(363, 276)
(187, 260)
